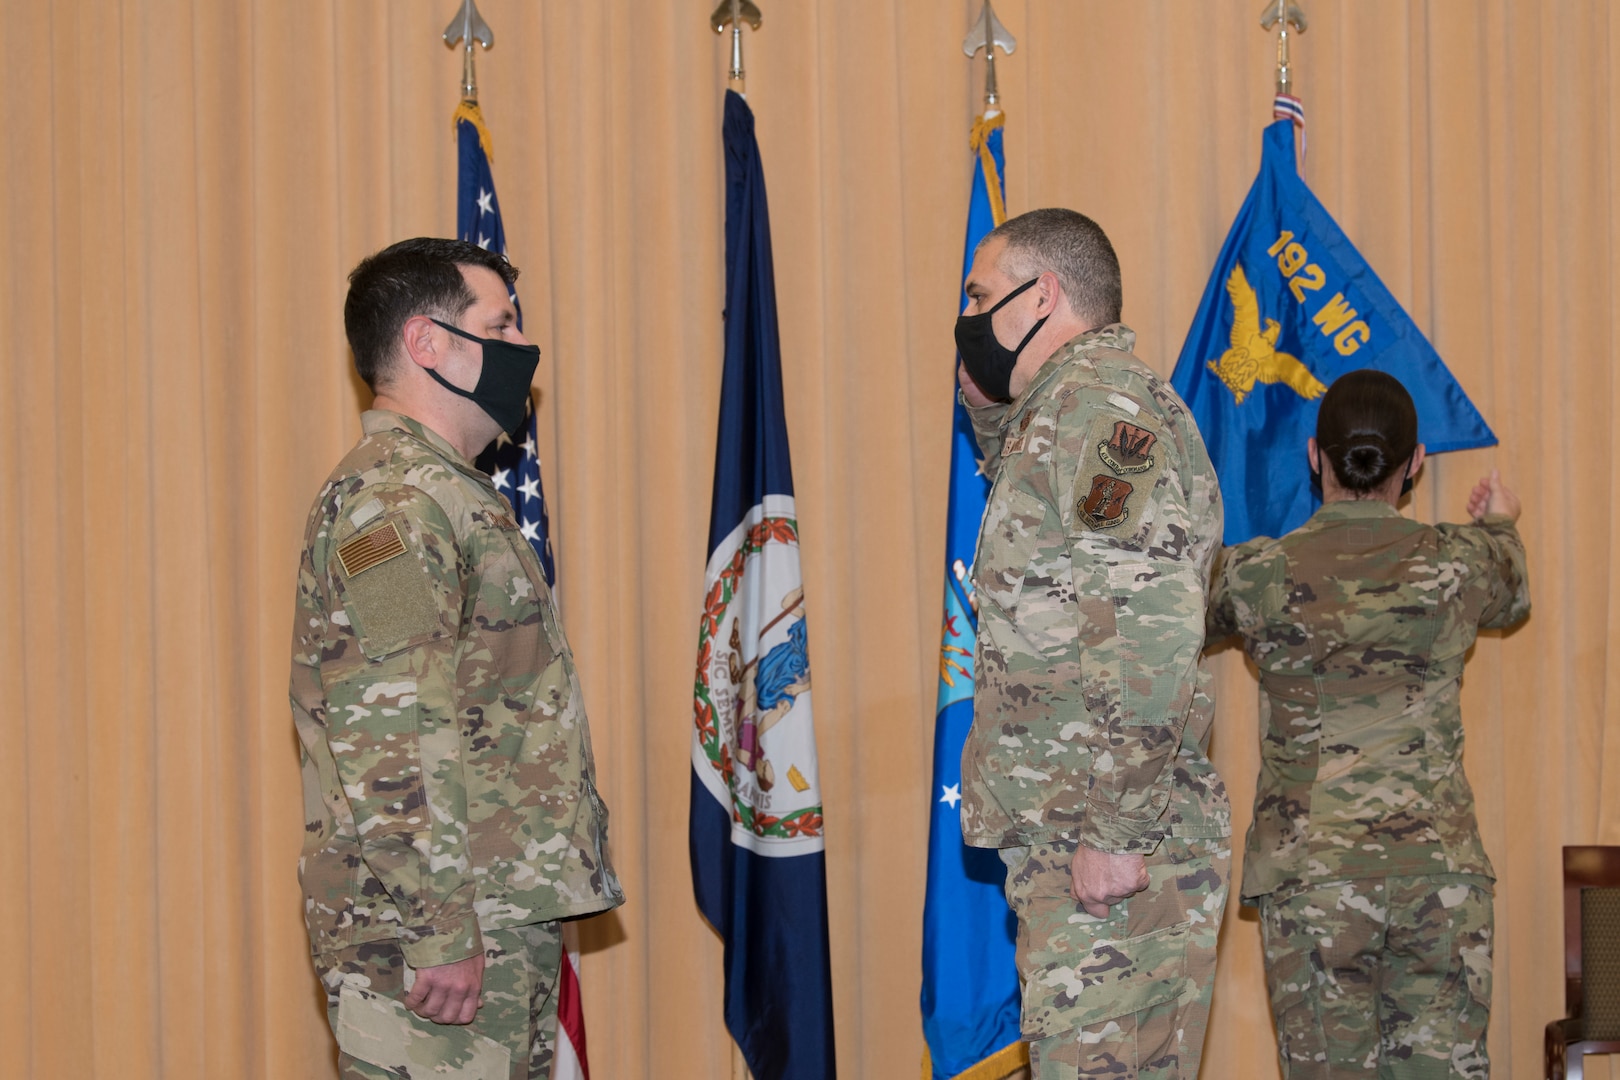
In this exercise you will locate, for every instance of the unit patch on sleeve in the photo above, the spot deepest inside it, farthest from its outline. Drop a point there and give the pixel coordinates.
(1107, 504)
(362, 552)
(1128, 450)
(1125, 456)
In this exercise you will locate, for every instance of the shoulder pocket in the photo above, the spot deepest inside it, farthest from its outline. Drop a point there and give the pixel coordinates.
(385, 589)
(1115, 488)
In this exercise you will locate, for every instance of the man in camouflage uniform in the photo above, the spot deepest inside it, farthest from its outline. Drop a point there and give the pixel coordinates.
(448, 783)
(1086, 763)
(1364, 856)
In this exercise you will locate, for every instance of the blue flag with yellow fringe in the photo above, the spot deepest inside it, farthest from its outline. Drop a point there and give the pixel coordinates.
(970, 1000)
(1290, 307)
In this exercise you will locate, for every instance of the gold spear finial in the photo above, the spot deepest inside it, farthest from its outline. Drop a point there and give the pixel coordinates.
(734, 13)
(1282, 14)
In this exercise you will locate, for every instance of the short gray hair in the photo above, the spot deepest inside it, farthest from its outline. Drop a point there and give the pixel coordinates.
(1073, 247)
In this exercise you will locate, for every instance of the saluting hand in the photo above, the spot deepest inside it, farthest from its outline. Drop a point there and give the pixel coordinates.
(449, 993)
(1101, 879)
(1491, 496)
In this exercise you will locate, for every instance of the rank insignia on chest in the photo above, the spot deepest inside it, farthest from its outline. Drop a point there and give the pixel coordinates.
(1128, 450)
(1014, 444)
(1105, 505)
(370, 549)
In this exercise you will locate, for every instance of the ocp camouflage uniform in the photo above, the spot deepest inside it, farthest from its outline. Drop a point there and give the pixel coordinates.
(448, 779)
(1092, 707)
(1364, 855)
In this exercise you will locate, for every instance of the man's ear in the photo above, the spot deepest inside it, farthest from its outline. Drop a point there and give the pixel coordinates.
(421, 341)
(1050, 289)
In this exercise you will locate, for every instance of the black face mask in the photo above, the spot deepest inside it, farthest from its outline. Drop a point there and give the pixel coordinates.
(503, 384)
(989, 363)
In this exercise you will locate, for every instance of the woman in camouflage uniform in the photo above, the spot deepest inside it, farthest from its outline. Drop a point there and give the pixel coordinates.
(1364, 855)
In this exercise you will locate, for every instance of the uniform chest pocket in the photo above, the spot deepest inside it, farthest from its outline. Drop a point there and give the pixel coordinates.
(1011, 542)
(509, 616)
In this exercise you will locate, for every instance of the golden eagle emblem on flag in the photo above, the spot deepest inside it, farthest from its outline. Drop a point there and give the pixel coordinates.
(1253, 356)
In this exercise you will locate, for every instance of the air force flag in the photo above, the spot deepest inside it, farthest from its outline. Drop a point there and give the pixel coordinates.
(970, 996)
(758, 870)
(1290, 307)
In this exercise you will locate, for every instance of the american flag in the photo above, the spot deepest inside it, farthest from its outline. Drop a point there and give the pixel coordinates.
(514, 466)
(1288, 107)
(513, 460)
(513, 463)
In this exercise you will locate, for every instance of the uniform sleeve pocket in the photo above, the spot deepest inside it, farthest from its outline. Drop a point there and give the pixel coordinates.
(1116, 492)
(385, 591)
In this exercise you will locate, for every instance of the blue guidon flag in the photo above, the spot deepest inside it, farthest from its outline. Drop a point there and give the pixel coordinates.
(969, 994)
(758, 868)
(1290, 307)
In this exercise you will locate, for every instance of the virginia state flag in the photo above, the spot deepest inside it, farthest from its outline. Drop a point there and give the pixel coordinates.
(970, 987)
(1290, 307)
(758, 869)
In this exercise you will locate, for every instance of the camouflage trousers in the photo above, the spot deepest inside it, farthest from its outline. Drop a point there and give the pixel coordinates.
(511, 1038)
(1126, 996)
(1381, 977)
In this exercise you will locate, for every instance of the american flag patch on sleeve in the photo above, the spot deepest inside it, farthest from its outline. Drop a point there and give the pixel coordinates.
(369, 549)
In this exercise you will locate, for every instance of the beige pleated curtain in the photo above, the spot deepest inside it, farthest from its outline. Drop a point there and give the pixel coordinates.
(186, 183)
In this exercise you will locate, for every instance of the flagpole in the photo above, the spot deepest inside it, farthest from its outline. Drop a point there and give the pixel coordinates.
(969, 988)
(734, 13)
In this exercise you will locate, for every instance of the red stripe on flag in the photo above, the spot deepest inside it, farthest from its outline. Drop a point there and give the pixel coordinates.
(571, 1011)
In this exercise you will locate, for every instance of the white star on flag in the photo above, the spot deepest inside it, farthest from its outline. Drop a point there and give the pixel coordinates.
(484, 198)
(483, 242)
(529, 489)
(502, 477)
(952, 795)
(528, 445)
(530, 530)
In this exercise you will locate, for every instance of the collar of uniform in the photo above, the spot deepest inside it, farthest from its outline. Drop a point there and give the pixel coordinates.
(1346, 509)
(1113, 336)
(373, 421)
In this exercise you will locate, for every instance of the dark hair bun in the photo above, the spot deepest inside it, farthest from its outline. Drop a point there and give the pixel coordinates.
(1363, 466)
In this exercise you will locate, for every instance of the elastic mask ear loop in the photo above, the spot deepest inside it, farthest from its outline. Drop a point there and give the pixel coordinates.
(1030, 336)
